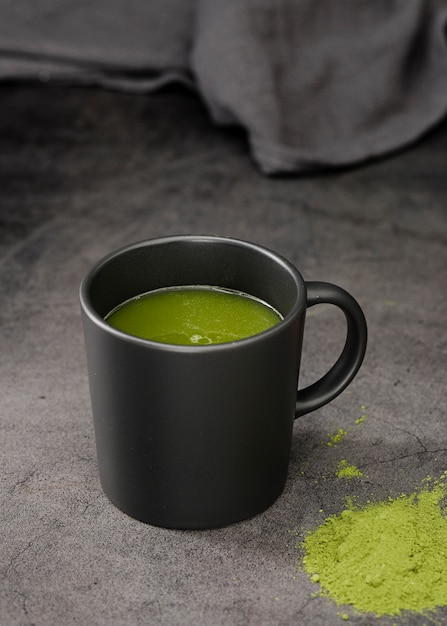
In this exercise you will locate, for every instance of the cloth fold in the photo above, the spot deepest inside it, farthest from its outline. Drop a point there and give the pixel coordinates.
(316, 85)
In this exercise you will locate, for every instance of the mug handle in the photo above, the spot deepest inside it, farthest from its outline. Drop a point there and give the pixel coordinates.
(346, 367)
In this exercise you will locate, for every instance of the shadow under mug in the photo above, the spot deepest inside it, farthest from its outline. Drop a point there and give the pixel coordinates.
(192, 437)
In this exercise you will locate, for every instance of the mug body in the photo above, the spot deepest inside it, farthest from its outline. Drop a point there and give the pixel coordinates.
(193, 437)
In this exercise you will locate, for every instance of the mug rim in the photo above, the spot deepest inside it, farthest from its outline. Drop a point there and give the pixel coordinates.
(90, 311)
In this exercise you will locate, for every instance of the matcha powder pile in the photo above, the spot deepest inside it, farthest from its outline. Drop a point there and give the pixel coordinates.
(386, 557)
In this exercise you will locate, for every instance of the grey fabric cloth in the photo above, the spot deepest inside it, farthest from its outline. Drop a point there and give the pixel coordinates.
(315, 84)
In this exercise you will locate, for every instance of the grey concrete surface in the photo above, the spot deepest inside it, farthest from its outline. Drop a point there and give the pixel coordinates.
(83, 172)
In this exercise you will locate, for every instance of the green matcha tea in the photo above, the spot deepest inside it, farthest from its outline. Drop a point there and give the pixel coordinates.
(193, 315)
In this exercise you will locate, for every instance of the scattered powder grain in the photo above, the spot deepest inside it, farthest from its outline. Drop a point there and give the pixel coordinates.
(336, 437)
(385, 557)
(347, 471)
(363, 416)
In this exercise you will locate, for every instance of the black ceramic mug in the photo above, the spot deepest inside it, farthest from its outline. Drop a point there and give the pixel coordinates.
(193, 437)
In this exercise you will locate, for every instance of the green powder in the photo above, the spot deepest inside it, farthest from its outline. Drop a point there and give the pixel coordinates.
(385, 557)
(363, 416)
(347, 471)
(336, 437)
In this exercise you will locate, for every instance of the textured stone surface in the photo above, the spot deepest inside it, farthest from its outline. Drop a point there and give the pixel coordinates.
(83, 172)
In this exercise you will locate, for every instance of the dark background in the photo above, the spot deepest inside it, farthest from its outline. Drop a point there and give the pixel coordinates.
(84, 171)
